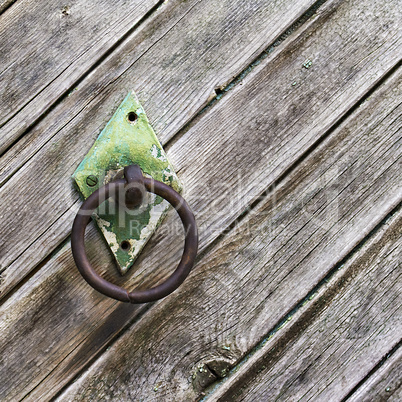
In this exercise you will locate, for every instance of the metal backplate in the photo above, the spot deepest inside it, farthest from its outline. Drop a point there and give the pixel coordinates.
(127, 139)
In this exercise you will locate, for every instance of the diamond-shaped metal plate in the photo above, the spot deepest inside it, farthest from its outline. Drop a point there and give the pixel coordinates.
(127, 139)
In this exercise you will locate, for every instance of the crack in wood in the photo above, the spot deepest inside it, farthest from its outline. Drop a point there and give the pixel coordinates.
(308, 317)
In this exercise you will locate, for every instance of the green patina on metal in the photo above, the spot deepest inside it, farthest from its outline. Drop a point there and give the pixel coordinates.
(127, 139)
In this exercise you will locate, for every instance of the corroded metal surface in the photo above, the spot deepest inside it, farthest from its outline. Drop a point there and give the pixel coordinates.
(127, 139)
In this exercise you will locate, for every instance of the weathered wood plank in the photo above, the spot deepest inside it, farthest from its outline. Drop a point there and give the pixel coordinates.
(151, 43)
(226, 66)
(385, 384)
(259, 272)
(33, 376)
(177, 68)
(251, 259)
(311, 106)
(4, 4)
(338, 338)
(47, 46)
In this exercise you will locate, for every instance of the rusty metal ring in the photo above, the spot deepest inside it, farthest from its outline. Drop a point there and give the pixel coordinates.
(116, 292)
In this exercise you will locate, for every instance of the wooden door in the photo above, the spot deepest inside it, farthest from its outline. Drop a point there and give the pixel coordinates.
(283, 122)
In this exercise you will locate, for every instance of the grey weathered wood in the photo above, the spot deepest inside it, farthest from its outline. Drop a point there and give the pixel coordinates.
(251, 279)
(176, 60)
(32, 377)
(311, 106)
(227, 65)
(209, 313)
(47, 46)
(334, 341)
(178, 26)
(385, 384)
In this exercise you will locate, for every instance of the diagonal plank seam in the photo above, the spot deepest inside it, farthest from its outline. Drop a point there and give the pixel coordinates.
(223, 90)
(291, 168)
(303, 302)
(6, 5)
(311, 219)
(373, 370)
(142, 311)
(2, 269)
(219, 93)
(41, 263)
(155, 43)
(254, 205)
(64, 94)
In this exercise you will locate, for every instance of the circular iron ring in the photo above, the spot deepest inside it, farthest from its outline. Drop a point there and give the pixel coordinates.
(116, 292)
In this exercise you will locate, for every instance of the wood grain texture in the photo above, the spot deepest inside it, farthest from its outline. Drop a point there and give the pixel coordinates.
(385, 384)
(338, 338)
(173, 26)
(4, 4)
(277, 138)
(176, 60)
(63, 324)
(46, 46)
(270, 262)
(37, 371)
(85, 127)
(273, 258)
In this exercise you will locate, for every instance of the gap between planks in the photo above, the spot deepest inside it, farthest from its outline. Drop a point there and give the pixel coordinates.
(142, 342)
(261, 57)
(292, 167)
(33, 96)
(260, 366)
(225, 89)
(383, 382)
(126, 45)
(5, 5)
(303, 305)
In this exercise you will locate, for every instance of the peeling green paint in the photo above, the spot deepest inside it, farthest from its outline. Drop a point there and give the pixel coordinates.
(123, 142)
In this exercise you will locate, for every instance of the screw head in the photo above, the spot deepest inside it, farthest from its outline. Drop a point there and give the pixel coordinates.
(92, 180)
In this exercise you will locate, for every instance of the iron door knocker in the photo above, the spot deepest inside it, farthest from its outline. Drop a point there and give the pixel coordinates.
(142, 197)
(137, 183)
(133, 176)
